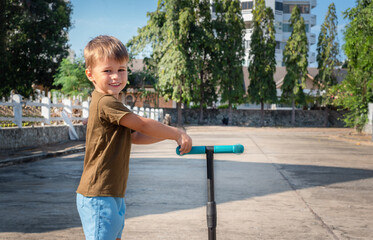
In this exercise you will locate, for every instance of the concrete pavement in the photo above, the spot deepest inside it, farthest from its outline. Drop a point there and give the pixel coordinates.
(291, 183)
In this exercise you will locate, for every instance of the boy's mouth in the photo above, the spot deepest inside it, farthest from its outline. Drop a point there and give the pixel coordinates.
(115, 84)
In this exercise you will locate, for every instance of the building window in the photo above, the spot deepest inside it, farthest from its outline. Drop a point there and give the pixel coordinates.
(279, 6)
(288, 28)
(247, 5)
(303, 8)
(129, 100)
(146, 103)
(249, 24)
(278, 26)
(247, 44)
(278, 45)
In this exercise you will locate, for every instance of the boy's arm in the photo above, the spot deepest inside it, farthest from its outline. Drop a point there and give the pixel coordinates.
(156, 130)
(139, 138)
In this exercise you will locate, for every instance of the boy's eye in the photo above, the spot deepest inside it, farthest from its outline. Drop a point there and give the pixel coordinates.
(122, 70)
(107, 70)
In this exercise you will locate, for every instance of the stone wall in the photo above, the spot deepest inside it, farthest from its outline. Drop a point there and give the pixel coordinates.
(15, 138)
(251, 118)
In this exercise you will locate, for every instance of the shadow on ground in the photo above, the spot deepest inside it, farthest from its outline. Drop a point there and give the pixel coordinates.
(40, 196)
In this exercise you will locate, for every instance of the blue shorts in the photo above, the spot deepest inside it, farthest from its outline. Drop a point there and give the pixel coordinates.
(102, 217)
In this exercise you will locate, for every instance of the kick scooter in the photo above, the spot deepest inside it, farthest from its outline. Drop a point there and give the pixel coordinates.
(211, 205)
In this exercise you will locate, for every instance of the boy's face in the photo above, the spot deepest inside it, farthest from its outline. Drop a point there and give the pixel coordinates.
(108, 76)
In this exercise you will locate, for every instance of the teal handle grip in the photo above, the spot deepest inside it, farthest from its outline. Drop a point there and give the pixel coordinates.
(238, 148)
(194, 150)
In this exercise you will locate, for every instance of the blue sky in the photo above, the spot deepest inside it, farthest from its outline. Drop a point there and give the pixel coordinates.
(122, 18)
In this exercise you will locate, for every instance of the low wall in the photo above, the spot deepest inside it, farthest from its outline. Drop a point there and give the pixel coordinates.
(251, 118)
(15, 138)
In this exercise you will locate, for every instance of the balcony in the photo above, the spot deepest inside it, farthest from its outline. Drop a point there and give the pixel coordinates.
(313, 3)
(311, 38)
(313, 20)
(312, 57)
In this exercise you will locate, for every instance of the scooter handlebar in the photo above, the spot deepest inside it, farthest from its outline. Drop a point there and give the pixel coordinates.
(237, 149)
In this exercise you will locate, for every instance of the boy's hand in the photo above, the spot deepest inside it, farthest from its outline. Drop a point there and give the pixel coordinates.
(185, 143)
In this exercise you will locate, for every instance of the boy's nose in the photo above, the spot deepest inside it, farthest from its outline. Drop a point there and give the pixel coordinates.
(114, 76)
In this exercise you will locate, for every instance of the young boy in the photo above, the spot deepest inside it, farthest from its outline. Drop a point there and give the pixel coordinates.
(111, 129)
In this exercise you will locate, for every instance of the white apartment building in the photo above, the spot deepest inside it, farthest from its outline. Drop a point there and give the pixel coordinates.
(282, 12)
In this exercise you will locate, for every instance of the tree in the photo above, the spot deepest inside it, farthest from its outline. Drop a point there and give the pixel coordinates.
(204, 87)
(229, 52)
(327, 57)
(168, 32)
(72, 79)
(262, 61)
(356, 91)
(35, 42)
(295, 59)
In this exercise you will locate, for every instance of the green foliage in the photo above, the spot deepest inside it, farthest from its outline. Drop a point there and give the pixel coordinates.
(356, 91)
(226, 106)
(72, 79)
(35, 42)
(262, 61)
(187, 58)
(167, 33)
(203, 88)
(229, 51)
(327, 52)
(295, 59)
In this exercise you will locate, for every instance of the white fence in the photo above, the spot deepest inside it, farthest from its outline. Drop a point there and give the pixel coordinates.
(17, 103)
(153, 113)
(63, 110)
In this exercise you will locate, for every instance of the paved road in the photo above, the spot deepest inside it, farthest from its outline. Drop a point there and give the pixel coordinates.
(289, 184)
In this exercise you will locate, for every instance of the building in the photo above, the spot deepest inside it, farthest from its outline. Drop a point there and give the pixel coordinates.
(134, 94)
(279, 76)
(282, 12)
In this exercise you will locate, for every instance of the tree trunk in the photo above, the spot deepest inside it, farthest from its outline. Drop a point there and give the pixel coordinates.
(179, 114)
(201, 101)
(293, 113)
(230, 115)
(326, 116)
(200, 120)
(261, 114)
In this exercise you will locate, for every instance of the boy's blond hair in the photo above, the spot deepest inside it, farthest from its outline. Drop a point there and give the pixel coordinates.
(104, 47)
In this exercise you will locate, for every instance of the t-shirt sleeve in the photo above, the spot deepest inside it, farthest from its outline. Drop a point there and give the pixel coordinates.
(111, 110)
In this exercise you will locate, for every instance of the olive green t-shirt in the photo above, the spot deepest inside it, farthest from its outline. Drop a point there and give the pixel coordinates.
(108, 146)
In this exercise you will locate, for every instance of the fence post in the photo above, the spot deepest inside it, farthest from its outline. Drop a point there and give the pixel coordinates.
(17, 109)
(68, 106)
(136, 110)
(161, 115)
(152, 114)
(142, 112)
(66, 115)
(46, 109)
(156, 114)
(85, 105)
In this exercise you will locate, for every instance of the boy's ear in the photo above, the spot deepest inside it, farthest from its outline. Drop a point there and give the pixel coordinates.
(89, 75)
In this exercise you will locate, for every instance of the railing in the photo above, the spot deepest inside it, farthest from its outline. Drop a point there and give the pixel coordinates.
(56, 111)
(62, 109)
(312, 38)
(152, 113)
(313, 20)
(313, 3)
